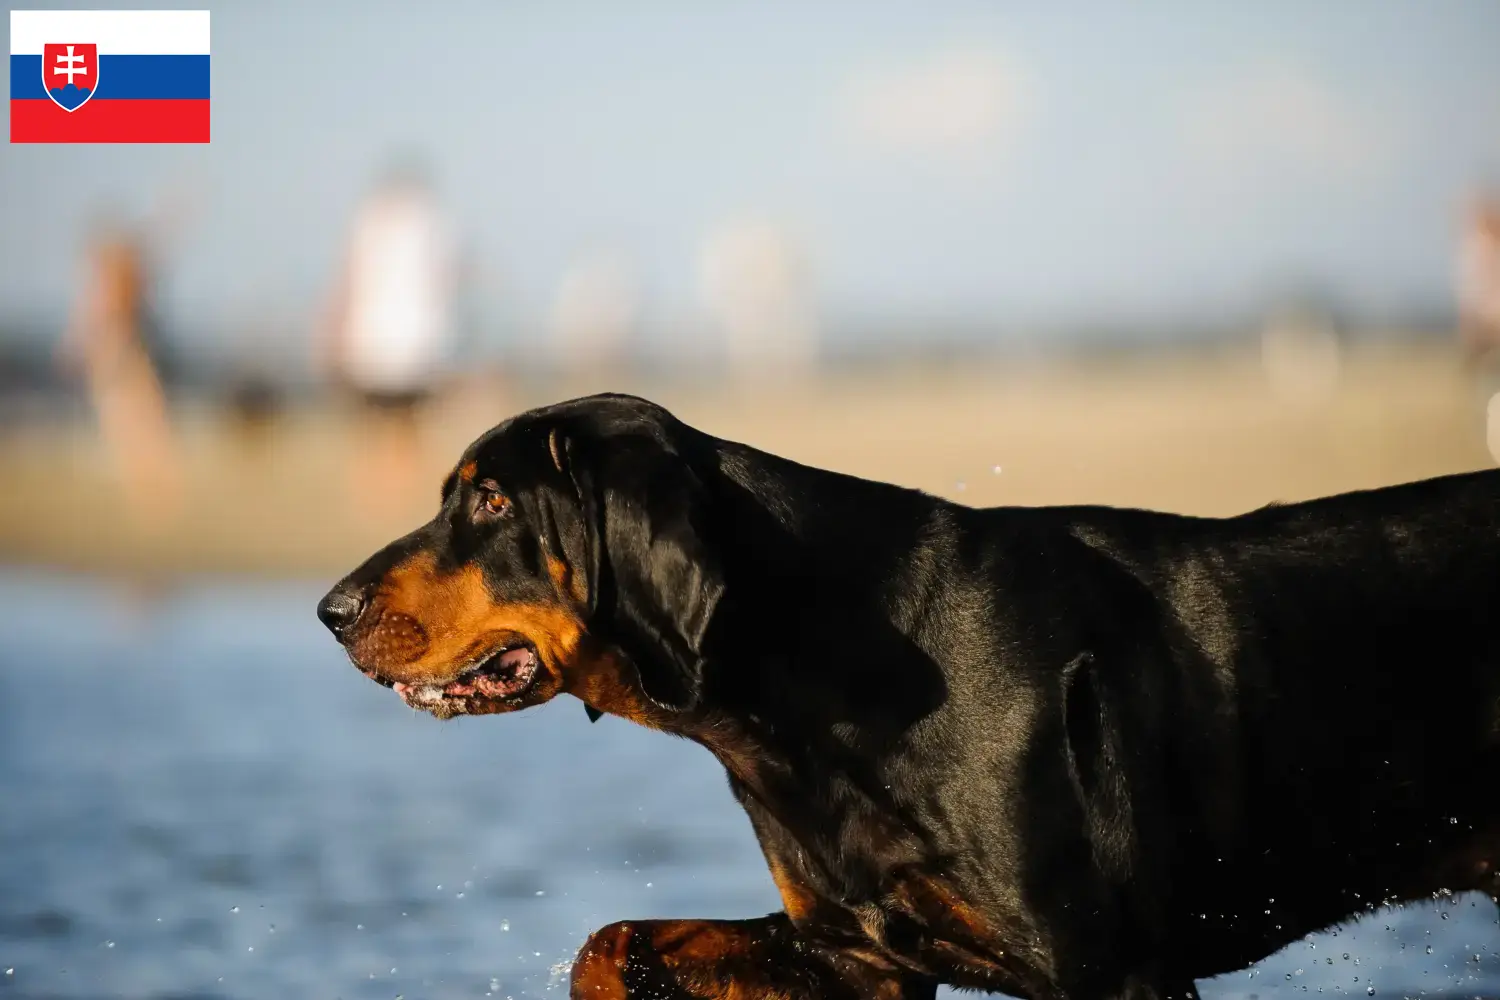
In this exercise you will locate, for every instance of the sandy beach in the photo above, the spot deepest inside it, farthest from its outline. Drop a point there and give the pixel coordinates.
(1203, 434)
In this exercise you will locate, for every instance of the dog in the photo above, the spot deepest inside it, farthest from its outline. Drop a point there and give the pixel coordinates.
(1064, 753)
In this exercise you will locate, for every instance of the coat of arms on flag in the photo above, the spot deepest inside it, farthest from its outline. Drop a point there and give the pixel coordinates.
(70, 73)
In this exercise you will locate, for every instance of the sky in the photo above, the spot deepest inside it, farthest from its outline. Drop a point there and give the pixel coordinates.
(995, 165)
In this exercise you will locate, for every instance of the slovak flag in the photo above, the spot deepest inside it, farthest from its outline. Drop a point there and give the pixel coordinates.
(109, 76)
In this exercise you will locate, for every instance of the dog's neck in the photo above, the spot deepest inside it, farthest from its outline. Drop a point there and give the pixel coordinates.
(814, 689)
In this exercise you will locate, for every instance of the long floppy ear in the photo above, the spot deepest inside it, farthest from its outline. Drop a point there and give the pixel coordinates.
(655, 579)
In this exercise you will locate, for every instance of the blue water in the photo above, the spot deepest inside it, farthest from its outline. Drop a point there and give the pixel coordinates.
(200, 799)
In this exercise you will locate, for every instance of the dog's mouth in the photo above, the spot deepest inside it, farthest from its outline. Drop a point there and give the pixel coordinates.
(503, 675)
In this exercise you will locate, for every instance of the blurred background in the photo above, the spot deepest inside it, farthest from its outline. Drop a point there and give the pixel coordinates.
(1196, 257)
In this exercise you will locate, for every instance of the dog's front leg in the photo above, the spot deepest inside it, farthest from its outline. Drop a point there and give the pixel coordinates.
(1135, 988)
(723, 959)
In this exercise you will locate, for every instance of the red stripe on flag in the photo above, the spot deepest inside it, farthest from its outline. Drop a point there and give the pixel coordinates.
(110, 121)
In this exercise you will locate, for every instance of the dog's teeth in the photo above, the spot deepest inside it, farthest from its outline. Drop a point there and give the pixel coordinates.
(426, 694)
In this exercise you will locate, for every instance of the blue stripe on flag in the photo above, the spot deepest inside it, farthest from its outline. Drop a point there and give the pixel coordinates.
(124, 78)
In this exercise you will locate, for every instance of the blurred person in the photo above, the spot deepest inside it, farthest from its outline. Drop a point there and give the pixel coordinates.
(758, 287)
(595, 313)
(254, 392)
(390, 327)
(111, 342)
(1479, 282)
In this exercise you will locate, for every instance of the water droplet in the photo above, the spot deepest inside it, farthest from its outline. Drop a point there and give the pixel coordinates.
(109, 944)
(648, 885)
(10, 972)
(359, 927)
(505, 925)
(251, 948)
(1346, 956)
(961, 486)
(1429, 949)
(539, 892)
(1370, 991)
(995, 469)
(1445, 916)
(459, 896)
(234, 909)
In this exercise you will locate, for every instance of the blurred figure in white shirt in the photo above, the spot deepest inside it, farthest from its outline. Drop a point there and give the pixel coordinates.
(390, 329)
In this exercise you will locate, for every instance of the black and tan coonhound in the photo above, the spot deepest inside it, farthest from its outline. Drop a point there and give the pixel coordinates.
(1058, 752)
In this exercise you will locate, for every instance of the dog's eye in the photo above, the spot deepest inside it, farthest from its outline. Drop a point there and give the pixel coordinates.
(492, 501)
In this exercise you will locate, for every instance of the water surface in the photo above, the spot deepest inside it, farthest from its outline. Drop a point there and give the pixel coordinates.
(199, 798)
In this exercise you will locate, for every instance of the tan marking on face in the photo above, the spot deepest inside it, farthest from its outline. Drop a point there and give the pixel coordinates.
(427, 627)
(467, 470)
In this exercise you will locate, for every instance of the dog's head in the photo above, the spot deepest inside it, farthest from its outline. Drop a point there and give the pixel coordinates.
(570, 554)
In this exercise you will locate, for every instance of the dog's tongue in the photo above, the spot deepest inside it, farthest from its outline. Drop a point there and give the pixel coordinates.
(514, 659)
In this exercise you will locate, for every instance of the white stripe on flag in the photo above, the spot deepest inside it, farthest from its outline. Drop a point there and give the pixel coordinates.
(116, 32)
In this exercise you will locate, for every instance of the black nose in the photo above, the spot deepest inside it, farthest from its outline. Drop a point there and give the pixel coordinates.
(339, 609)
